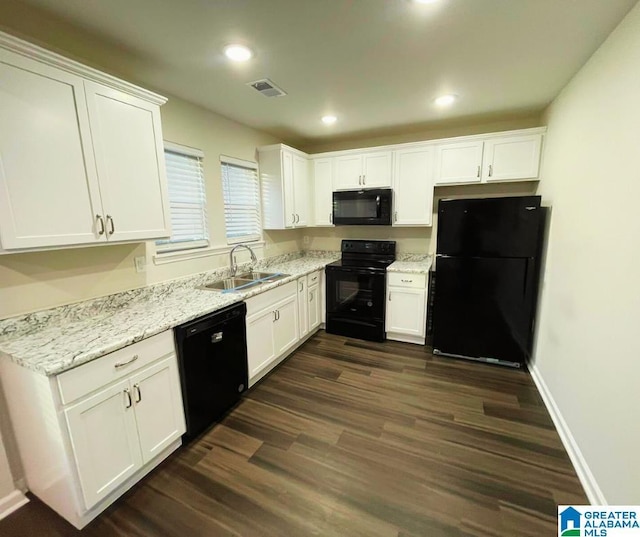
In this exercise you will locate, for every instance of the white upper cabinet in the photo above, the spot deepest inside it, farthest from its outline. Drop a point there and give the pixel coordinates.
(127, 139)
(81, 157)
(512, 157)
(413, 186)
(323, 191)
(284, 179)
(49, 192)
(459, 163)
(363, 170)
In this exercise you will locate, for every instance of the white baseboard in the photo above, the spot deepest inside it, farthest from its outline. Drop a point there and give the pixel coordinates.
(11, 502)
(586, 477)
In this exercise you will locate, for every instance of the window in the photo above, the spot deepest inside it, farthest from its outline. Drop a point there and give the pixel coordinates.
(187, 200)
(241, 200)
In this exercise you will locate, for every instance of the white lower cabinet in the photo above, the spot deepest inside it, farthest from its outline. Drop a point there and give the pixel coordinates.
(87, 435)
(272, 328)
(406, 318)
(104, 437)
(303, 307)
(281, 319)
(314, 303)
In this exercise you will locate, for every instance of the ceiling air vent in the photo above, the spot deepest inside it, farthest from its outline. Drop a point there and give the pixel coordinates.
(267, 88)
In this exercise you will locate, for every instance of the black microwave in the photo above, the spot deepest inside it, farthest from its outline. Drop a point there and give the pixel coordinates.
(362, 207)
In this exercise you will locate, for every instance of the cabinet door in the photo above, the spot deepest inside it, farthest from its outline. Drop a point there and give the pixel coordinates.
(323, 192)
(406, 311)
(301, 190)
(413, 187)
(288, 187)
(104, 438)
(347, 172)
(286, 327)
(314, 306)
(376, 170)
(303, 309)
(158, 407)
(512, 158)
(459, 163)
(127, 140)
(49, 193)
(260, 340)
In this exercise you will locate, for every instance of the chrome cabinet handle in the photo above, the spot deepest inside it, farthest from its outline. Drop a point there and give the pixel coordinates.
(389, 297)
(301, 288)
(101, 221)
(330, 217)
(478, 171)
(359, 179)
(310, 297)
(364, 179)
(395, 216)
(490, 170)
(293, 218)
(137, 393)
(111, 224)
(127, 396)
(406, 281)
(275, 316)
(297, 218)
(118, 365)
(314, 278)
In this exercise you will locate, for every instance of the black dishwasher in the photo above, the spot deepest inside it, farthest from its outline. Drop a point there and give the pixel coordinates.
(212, 355)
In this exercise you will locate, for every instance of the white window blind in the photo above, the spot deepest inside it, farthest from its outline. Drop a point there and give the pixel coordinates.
(241, 200)
(187, 199)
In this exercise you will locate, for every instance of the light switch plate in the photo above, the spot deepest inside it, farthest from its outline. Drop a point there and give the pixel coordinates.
(140, 263)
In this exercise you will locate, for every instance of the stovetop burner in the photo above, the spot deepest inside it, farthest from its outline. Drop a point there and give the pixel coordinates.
(367, 254)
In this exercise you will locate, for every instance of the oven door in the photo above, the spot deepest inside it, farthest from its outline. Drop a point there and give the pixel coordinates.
(362, 207)
(356, 294)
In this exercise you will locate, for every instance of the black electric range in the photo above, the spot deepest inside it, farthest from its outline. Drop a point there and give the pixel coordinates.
(356, 289)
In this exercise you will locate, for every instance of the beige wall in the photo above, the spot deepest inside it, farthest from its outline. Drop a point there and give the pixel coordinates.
(587, 346)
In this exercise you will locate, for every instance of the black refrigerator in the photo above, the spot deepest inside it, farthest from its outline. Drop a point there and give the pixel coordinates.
(487, 268)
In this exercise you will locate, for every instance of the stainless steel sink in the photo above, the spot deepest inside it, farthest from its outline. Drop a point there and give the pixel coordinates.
(260, 275)
(244, 281)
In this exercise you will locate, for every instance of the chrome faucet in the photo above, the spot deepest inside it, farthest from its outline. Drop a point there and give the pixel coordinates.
(233, 266)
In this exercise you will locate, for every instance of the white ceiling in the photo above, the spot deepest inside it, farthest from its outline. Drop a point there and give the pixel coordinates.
(376, 64)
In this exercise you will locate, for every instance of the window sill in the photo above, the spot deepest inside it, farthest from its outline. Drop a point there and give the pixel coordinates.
(163, 258)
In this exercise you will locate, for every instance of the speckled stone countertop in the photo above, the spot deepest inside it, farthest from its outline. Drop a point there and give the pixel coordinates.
(55, 340)
(411, 263)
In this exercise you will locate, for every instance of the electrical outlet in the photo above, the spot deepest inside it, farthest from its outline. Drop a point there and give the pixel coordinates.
(305, 239)
(140, 263)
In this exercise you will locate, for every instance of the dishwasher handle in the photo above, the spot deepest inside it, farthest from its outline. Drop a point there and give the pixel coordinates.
(216, 337)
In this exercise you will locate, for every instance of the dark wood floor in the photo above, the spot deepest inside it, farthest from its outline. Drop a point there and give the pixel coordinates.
(351, 438)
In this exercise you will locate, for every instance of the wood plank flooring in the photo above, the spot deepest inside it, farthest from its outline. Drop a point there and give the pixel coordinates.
(352, 438)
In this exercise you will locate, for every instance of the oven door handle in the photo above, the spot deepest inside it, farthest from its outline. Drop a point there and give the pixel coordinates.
(357, 271)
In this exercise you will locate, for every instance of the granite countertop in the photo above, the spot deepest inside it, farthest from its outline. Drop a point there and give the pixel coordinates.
(411, 264)
(53, 341)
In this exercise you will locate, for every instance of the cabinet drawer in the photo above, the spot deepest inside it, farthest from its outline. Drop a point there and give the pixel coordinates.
(313, 278)
(405, 279)
(114, 366)
(269, 298)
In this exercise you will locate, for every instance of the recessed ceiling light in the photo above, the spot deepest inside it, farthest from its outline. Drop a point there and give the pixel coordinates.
(425, 1)
(329, 120)
(445, 100)
(238, 53)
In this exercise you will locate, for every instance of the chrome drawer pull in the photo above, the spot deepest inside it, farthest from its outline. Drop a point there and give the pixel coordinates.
(123, 364)
(407, 281)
